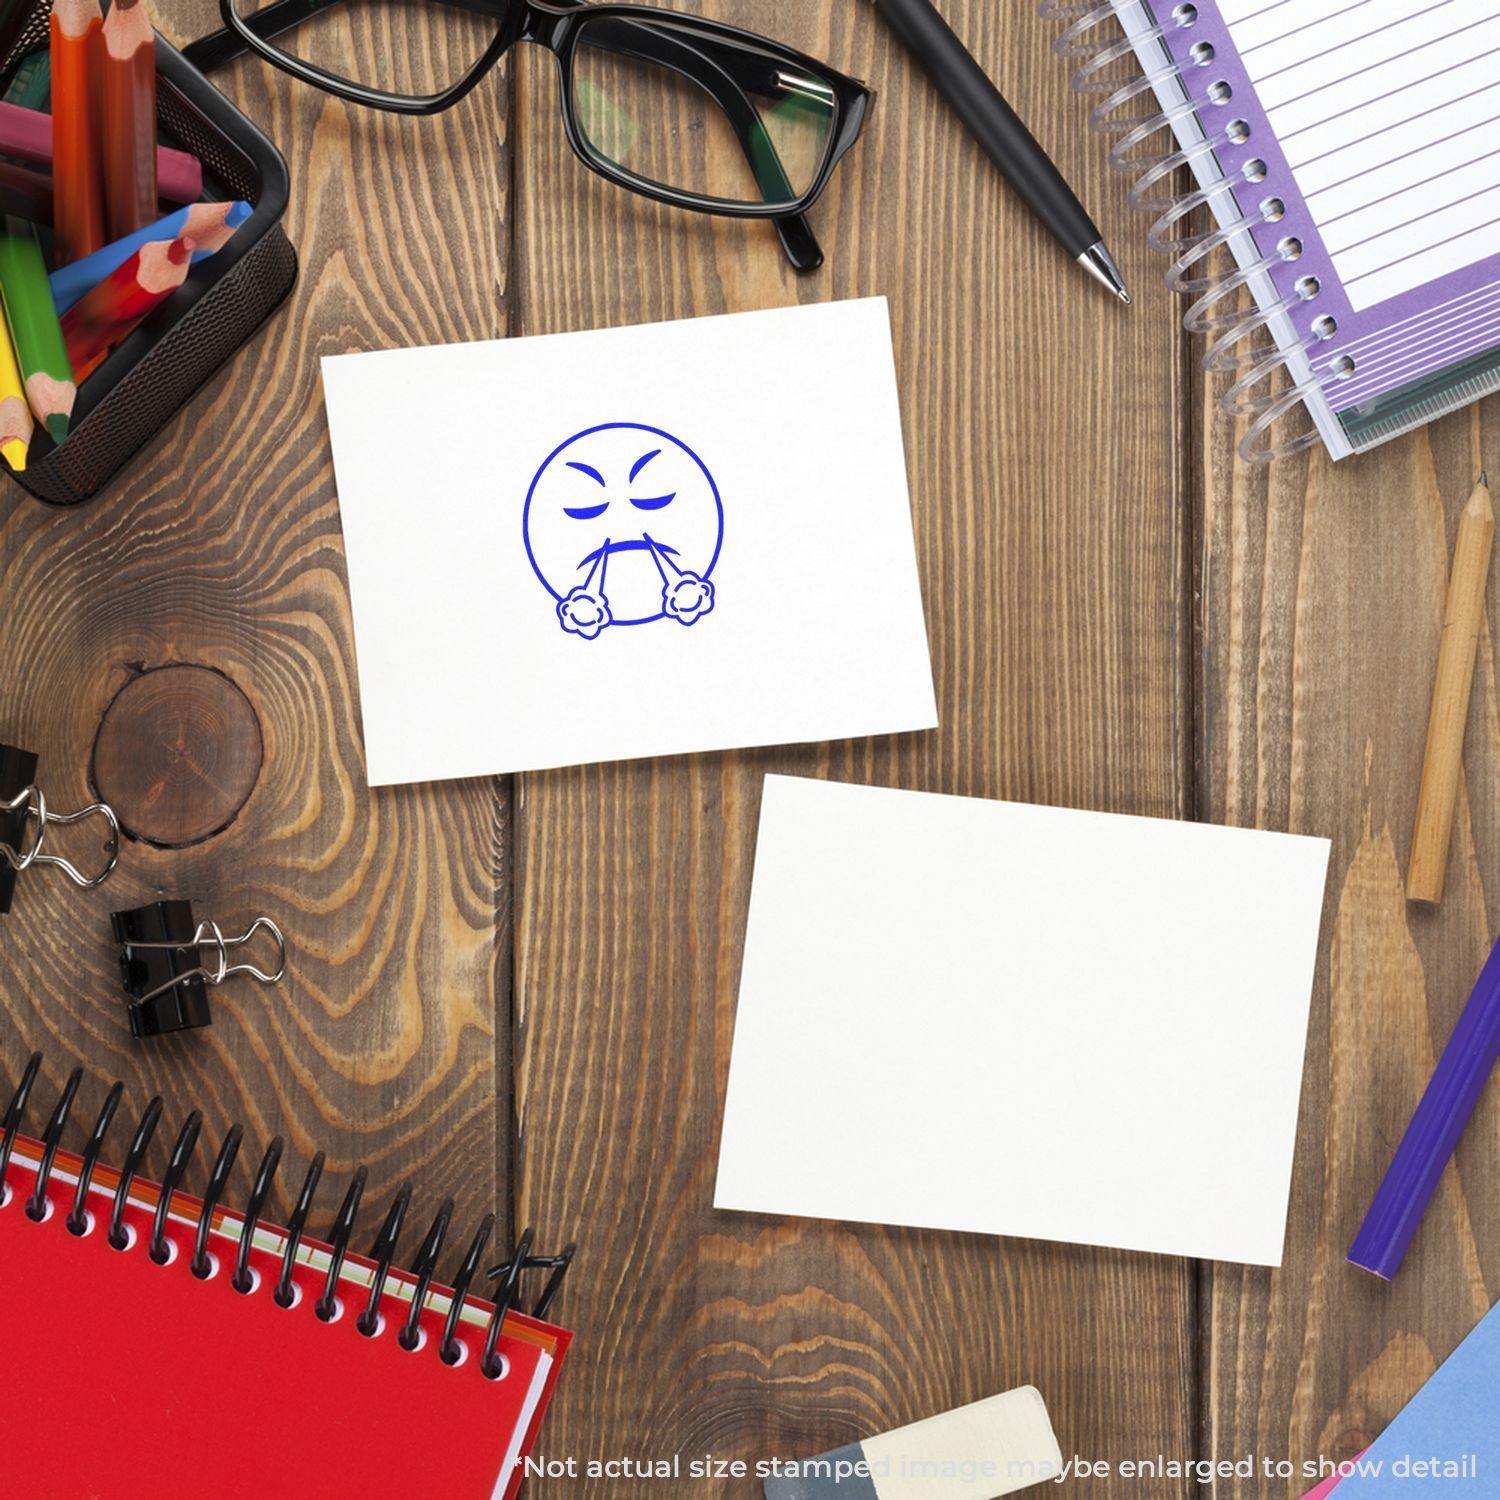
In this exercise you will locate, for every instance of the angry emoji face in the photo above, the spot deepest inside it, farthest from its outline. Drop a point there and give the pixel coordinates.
(623, 525)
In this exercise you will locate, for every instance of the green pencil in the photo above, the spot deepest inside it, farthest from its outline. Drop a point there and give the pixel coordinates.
(34, 328)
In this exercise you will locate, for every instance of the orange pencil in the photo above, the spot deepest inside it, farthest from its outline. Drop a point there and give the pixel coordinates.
(78, 179)
(129, 118)
(98, 321)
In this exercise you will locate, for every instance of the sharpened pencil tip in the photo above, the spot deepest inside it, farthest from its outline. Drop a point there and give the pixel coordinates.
(57, 427)
(1484, 478)
(15, 454)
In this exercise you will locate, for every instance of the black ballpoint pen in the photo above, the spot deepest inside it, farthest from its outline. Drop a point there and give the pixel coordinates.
(998, 129)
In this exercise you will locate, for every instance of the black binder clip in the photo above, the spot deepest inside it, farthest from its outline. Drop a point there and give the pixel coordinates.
(25, 820)
(162, 961)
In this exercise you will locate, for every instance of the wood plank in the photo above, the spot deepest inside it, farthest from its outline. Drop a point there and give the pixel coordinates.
(1323, 589)
(221, 550)
(1049, 495)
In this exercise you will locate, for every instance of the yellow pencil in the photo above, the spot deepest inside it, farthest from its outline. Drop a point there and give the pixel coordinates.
(15, 414)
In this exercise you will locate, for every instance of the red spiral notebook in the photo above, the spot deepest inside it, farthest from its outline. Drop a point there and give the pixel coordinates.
(128, 1379)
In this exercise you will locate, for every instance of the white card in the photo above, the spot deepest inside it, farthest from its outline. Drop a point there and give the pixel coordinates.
(984, 1016)
(640, 541)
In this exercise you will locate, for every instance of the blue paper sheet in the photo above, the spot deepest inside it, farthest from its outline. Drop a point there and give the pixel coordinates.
(1447, 1439)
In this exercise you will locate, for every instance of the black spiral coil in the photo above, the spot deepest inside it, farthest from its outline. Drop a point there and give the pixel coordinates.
(383, 1252)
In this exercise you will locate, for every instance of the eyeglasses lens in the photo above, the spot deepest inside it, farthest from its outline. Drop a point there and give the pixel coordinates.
(407, 47)
(675, 107)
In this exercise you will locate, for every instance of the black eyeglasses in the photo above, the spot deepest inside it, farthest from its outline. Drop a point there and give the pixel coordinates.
(679, 109)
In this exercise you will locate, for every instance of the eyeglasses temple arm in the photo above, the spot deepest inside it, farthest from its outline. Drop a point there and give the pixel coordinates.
(797, 238)
(759, 150)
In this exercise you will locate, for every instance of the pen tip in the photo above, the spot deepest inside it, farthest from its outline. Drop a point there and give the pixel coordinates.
(1099, 263)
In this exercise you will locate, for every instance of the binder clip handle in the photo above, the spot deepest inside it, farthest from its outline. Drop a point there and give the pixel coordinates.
(169, 961)
(226, 970)
(31, 805)
(210, 934)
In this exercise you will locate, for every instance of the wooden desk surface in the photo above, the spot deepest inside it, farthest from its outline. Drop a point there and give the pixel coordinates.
(521, 992)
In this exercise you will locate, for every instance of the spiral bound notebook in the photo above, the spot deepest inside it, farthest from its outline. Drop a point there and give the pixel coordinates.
(130, 1375)
(1349, 152)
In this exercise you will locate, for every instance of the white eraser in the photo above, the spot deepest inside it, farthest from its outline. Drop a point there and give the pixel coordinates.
(978, 1452)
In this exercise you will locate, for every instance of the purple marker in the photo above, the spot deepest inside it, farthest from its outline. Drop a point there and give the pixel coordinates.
(1431, 1138)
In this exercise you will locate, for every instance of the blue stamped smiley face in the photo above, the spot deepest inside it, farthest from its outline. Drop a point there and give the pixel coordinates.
(623, 525)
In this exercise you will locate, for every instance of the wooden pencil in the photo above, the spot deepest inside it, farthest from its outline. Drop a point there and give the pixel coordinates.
(210, 226)
(128, 86)
(1462, 620)
(28, 194)
(26, 134)
(78, 180)
(98, 321)
(16, 425)
(25, 193)
(35, 331)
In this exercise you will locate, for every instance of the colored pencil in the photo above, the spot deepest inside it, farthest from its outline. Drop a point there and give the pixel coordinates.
(1463, 619)
(209, 225)
(76, 169)
(16, 425)
(25, 193)
(96, 323)
(129, 118)
(26, 134)
(1435, 1130)
(34, 329)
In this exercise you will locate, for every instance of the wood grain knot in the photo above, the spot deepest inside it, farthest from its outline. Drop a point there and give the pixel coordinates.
(178, 752)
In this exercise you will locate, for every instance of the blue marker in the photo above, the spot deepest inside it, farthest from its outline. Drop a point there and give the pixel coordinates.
(211, 221)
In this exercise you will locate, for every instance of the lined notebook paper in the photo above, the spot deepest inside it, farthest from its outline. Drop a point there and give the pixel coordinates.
(1350, 153)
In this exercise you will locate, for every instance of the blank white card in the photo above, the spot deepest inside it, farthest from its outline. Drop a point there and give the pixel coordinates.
(984, 1016)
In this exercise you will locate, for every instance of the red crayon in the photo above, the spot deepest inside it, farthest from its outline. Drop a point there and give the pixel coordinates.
(98, 321)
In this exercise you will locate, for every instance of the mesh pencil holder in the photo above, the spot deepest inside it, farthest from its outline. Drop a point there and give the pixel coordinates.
(165, 362)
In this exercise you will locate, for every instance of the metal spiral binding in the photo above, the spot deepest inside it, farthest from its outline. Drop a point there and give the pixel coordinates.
(328, 1308)
(1215, 310)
